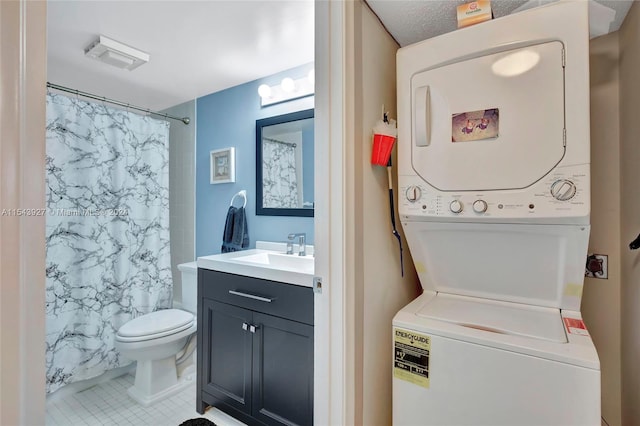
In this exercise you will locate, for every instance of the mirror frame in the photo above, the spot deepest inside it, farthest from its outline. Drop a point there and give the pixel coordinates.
(270, 121)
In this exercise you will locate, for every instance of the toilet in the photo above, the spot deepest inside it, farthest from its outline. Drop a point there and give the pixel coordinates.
(154, 340)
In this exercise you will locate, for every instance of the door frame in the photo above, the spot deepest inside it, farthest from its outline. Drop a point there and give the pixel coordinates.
(22, 236)
(333, 384)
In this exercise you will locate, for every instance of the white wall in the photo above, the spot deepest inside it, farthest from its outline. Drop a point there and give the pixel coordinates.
(630, 213)
(182, 191)
(379, 291)
(601, 298)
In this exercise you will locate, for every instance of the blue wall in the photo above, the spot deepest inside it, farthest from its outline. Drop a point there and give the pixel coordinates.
(228, 118)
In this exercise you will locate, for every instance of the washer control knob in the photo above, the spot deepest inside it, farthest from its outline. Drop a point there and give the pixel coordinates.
(563, 190)
(413, 193)
(456, 206)
(480, 206)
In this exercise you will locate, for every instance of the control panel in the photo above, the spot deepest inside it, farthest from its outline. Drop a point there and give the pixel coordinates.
(562, 193)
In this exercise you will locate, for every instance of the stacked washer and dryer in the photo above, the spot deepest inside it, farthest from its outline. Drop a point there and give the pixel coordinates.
(493, 164)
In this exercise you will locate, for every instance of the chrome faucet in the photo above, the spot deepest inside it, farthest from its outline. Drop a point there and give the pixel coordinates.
(302, 250)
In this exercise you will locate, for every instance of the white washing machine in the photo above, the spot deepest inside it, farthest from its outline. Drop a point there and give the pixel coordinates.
(494, 199)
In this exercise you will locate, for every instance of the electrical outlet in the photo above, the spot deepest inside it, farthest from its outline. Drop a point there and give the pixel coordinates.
(597, 266)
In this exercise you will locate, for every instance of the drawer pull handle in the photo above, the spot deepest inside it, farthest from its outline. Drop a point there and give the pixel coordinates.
(251, 296)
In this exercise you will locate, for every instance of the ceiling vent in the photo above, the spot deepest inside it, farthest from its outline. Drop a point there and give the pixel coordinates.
(117, 54)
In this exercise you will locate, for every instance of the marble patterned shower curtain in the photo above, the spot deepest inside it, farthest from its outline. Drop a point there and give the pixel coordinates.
(279, 181)
(107, 232)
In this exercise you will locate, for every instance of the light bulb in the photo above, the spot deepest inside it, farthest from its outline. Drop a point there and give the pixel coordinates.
(288, 85)
(311, 77)
(264, 91)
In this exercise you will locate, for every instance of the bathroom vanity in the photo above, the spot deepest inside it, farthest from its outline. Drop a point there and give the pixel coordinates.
(255, 343)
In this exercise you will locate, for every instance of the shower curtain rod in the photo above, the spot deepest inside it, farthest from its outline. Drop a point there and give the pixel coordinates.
(185, 120)
(293, 144)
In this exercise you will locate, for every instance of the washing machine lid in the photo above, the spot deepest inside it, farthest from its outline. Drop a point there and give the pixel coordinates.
(497, 316)
(540, 265)
(163, 322)
(490, 122)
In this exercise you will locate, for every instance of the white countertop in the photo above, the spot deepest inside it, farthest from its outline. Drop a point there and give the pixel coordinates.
(253, 263)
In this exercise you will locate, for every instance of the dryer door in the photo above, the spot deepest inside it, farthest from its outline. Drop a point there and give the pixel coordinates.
(490, 122)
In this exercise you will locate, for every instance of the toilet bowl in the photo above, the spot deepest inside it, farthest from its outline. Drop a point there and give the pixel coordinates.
(153, 341)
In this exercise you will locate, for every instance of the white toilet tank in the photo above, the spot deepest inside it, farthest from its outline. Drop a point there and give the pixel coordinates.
(189, 272)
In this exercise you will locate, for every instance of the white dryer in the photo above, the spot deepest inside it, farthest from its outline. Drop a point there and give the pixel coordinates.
(493, 164)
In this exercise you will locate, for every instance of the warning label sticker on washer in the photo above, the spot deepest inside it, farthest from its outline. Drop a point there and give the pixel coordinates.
(576, 326)
(411, 356)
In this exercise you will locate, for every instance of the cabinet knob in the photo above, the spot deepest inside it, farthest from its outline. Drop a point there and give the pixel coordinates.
(253, 328)
(245, 326)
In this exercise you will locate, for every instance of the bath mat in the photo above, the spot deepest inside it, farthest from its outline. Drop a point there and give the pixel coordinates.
(200, 421)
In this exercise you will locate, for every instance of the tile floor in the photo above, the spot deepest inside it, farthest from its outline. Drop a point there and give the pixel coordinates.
(109, 404)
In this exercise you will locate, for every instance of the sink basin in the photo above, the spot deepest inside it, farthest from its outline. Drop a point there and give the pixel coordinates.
(290, 262)
(305, 263)
(264, 263)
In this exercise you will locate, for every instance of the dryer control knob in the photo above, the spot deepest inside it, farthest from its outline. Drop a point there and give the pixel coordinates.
(480, 206)
(563, 190)
(456, 206)
(413, 193)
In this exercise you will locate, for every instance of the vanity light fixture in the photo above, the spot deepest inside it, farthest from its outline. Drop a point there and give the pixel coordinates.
(287, 90)
(264, 91)
(115, 53)
(288, 85)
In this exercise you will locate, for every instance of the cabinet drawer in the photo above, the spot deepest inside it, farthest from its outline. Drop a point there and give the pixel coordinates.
(269, 297)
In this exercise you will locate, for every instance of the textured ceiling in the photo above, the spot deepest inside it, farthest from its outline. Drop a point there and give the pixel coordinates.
(410, 21)
(196, 47)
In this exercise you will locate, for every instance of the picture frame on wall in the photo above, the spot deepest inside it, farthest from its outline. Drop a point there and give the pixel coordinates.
(222, 165)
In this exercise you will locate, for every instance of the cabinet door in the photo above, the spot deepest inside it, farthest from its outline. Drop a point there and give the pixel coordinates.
(226, 371)
(282, 371)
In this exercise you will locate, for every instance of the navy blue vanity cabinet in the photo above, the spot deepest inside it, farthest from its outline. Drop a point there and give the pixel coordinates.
(227, 354)
(255, 349)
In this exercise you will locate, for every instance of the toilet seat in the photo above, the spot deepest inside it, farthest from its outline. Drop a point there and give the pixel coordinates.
(155, 325)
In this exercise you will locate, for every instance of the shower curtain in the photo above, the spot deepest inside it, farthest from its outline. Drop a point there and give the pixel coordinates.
(107, 232)
(279, 181)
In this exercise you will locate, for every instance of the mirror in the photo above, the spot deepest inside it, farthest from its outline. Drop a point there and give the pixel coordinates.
(284, 165)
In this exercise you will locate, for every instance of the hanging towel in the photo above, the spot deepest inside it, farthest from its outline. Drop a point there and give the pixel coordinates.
(236, 232)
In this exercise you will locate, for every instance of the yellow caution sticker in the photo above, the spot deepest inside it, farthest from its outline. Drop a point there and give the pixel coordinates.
(420, 268)
(573, 290)
(411, 356)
